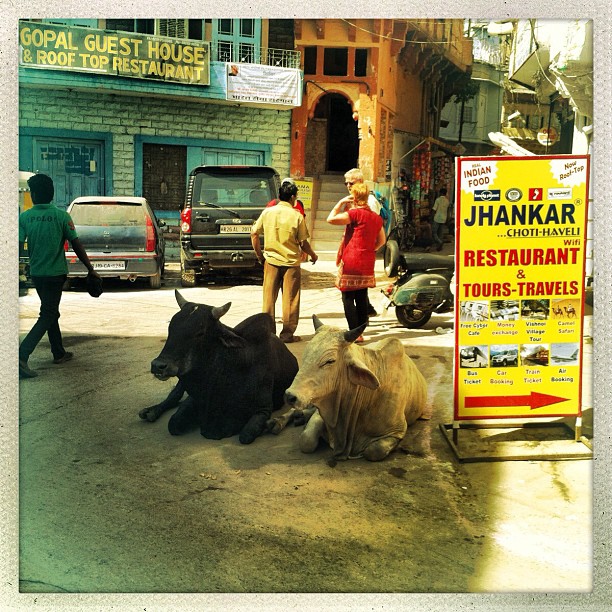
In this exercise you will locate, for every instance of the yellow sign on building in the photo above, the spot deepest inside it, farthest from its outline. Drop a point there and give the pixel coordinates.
(124, 54)
(304, 186)
(520, 266)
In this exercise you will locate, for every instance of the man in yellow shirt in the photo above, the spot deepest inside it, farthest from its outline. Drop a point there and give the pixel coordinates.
(285, 237)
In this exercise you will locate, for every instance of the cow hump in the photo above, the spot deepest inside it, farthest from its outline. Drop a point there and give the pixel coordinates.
(256, 328)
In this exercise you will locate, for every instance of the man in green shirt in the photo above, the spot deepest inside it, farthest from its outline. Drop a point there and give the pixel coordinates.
(46, 228)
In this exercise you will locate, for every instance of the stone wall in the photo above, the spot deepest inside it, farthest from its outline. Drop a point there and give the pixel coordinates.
(127, 116)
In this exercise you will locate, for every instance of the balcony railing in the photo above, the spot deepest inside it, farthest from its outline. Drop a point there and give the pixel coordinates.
(222, 51)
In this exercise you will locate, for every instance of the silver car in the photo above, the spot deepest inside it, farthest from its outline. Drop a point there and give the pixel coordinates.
(505, 358)
(122, 238)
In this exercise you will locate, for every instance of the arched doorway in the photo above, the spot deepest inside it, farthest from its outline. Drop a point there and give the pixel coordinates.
(332, 143)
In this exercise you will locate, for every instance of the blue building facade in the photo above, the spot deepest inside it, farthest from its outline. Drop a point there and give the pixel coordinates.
(129, 107)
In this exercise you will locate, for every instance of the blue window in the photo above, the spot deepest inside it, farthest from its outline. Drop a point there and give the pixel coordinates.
(237, 40)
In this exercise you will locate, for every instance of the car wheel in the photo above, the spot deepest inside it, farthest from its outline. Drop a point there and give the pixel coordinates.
(155, 281)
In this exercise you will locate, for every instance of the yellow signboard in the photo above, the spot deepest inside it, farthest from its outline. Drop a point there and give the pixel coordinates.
(124, 54)
(304, 186)
(519, 299)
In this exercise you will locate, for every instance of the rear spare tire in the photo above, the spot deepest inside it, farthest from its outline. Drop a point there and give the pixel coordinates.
(188, 277)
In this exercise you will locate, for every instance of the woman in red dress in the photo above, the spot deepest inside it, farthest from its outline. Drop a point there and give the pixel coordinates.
(363, 236)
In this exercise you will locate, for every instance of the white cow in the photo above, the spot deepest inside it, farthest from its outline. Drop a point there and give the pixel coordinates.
(366, 396)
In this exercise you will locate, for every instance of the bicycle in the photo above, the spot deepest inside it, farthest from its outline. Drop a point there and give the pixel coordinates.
(403, 232)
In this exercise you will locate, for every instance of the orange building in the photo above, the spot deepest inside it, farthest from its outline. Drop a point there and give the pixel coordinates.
(373, 92)
(366, 80)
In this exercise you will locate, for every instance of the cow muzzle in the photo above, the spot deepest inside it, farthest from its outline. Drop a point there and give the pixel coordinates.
(163, 370)
(295, 401)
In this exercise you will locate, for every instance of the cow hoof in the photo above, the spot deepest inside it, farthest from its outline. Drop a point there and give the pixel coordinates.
(148, 414)
(274, 426)
(378, 450)
(246, 438)
(177, 428)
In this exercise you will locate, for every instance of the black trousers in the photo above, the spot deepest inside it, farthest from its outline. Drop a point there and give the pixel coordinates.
(356, 305)
(49, 289)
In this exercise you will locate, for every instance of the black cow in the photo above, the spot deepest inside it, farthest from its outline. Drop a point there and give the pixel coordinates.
(234, 377)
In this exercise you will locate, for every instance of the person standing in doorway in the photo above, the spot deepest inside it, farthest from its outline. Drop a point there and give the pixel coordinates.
(46, 228)
(440, 209)
(363, 236)
(354, 176)
(285, 239)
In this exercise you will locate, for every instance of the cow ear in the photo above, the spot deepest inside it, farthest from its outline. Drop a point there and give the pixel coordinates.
(316, 322)
(219, 311)
(352, 334)
(231, 340)
(179, 298)
(360, 374)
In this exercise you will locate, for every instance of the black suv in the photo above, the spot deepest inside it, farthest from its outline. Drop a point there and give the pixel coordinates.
(221, 205)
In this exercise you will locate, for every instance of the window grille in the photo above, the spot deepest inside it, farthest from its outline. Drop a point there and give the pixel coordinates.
(175, 28)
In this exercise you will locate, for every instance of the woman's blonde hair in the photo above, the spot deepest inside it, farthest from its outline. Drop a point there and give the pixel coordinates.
(360, 193)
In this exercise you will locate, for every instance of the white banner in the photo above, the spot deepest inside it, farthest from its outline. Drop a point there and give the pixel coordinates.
(263, 84)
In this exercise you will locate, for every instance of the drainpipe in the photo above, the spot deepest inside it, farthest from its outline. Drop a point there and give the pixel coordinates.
(461, 121)
(550, 107)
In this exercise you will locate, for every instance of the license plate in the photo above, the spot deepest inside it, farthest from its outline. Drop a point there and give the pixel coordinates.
(108, 265)
(234, 229)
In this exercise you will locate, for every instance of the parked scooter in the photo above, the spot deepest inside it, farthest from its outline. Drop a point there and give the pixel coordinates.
(424, 285)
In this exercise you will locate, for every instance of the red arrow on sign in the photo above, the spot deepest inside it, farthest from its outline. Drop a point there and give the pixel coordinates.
(534, 400)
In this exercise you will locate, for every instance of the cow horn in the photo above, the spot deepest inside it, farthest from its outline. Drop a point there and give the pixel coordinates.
(316, 322)
(179, 298)
(219, 311)
(352, 334)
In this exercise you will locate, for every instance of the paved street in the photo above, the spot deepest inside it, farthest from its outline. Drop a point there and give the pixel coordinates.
(113, 504)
